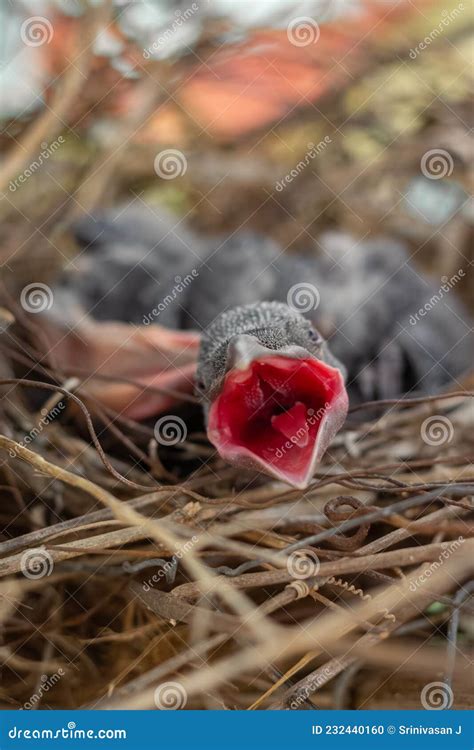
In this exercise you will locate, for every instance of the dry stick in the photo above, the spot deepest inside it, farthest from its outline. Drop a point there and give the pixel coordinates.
(323, 631)
(382, 513)
(155, 530)
(11, 565)
(100, 543)
(33, 538)
(402, 557)
(170, 607)
(291, 493)
(166, 606)
(399, 535)
(246, 501)
(458, 599)
(313, 654)
(365, 650)
(280, 600)
(343, 685)
(26, 665)
(95, 439)
(328, 671)
(51, 122)
(323, 674)
(386, 600)
(90, 426)
(157, 673)
(164, 494)
(403, 402)
(96, 181)
(377, 515)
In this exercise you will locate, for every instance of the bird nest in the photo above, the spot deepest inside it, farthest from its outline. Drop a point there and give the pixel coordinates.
(137, 575)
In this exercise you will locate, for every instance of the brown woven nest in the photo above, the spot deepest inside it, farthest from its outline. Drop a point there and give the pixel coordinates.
(133, 574)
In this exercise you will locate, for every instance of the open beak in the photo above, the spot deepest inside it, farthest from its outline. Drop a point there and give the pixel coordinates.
(277, 412)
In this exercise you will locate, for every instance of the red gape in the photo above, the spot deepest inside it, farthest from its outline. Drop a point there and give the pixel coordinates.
(279, 415)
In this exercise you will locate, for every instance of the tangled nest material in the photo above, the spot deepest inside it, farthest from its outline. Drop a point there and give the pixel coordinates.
(137, 576)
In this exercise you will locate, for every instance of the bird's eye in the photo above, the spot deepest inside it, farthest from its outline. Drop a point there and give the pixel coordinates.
(314, 336)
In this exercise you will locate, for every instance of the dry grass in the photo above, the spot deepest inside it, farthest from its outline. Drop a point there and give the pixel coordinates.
(146, 580)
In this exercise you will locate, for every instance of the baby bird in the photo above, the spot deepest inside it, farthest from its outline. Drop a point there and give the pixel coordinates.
(146, 290)
(273, 393)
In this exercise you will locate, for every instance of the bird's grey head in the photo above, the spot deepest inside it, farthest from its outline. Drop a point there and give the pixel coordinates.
(273, 394)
